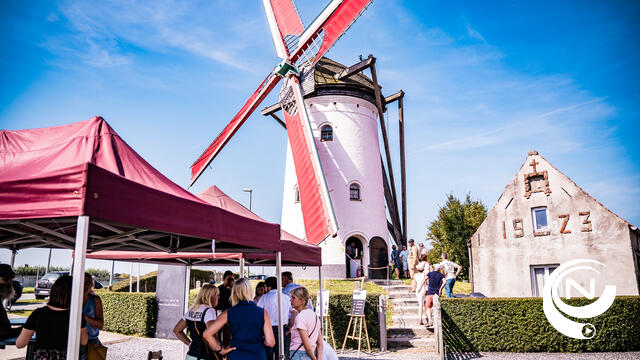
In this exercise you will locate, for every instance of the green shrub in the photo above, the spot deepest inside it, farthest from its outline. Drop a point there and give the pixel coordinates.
(129, 313)
(148, 281)
(519, 325)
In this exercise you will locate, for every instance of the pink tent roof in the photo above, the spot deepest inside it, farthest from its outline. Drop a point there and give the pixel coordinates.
(294, 249)
(49, 176)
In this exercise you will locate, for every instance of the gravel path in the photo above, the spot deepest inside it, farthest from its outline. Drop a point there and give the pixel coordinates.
(138, 348)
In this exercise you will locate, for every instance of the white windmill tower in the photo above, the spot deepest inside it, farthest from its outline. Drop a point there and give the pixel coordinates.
(335, 183)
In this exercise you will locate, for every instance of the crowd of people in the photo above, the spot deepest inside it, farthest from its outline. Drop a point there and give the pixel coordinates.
(239, 322)
(427, 279)
(51, 322)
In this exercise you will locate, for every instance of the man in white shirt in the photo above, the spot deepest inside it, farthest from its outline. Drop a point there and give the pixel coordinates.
(269, 302)
(451, 270)
(288, 285)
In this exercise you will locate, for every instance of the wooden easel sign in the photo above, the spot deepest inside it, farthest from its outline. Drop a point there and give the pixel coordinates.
(357, 312)
(357, 304)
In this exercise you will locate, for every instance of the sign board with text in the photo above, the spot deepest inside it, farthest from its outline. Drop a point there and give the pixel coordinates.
(358, 302)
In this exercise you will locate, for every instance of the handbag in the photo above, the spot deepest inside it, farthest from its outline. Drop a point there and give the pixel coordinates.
(96, 351)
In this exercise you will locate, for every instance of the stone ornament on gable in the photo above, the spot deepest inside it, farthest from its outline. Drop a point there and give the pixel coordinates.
(536, 181)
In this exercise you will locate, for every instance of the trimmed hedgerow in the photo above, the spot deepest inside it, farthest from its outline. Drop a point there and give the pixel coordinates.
(148, 281)
(339, 307)
(130, 313)
(519, 325)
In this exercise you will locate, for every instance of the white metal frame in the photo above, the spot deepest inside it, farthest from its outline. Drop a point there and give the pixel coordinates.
(535, 221)
(534, 281)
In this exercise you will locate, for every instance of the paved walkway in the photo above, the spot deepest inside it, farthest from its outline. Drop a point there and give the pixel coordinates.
(123, 347)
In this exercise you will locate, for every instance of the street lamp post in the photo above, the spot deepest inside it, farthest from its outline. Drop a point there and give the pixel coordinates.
(250, 191)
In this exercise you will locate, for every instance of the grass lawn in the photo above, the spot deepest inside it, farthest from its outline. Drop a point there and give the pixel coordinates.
(25, 313)
(31, 301)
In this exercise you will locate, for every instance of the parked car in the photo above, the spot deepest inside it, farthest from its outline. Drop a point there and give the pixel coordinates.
(44, 284)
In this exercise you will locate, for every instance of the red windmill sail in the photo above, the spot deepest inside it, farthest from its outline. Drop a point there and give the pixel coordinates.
(310, 46)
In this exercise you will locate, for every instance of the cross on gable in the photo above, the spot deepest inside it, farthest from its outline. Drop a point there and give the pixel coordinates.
(534, 163)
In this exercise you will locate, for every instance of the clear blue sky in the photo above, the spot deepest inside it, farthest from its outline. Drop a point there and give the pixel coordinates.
(486, 82)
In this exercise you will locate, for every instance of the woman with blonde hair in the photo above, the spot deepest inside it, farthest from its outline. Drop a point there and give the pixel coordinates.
(306, 330)
(250, 326)
(196, 319)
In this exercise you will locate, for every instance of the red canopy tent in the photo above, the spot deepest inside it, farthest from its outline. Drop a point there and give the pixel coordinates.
(294, 249)
(52, 175)
(81, 186)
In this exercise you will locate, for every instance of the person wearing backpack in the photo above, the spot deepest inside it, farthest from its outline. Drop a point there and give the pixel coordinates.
(196, 319)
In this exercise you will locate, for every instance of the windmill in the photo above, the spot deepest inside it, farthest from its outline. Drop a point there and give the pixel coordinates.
(302, 51)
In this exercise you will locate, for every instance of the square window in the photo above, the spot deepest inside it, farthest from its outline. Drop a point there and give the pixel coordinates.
(539, 218)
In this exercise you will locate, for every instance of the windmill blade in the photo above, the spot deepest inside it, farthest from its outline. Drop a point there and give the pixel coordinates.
(317, 210)
(323, 33)
(284, 23)
(223, 138)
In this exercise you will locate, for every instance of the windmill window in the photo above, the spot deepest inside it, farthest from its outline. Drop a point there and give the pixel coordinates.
(354, 192)
(296, 194)
(326, 133)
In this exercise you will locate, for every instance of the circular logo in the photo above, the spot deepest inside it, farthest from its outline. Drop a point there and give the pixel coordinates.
(555, 309)
(588, 331)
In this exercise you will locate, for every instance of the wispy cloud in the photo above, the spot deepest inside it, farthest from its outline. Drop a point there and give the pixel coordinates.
(474, 34)
(109, 34)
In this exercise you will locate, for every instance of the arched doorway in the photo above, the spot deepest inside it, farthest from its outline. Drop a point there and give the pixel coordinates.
(378, 258)
(353, 256)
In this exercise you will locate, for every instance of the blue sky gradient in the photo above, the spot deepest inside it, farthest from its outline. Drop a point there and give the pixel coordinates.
(485, 83)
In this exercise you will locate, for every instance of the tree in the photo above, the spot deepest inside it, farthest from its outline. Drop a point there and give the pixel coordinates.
(457, 221)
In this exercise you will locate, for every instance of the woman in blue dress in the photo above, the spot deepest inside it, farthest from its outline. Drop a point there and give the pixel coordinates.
(250, 326)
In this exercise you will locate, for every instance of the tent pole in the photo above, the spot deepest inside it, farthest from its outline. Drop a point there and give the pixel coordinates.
(319, 304)
(138, 279)
(130, 277)
(48, 260)
(13, 257)
(187, 284)
(77, 289)
(280, 317)
(113, 264)
(241, 271)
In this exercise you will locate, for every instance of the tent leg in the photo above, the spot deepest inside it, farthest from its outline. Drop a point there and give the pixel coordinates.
(138, 279)
(187, 284)
(73, 342)
(113, 264)
(319, 299)
(13, 257)
(280, 317)
(241, 270)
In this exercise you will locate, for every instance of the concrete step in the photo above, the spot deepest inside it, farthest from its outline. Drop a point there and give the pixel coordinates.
(405, 309)
(407, 320)
(402, 295)
(405, 301)
(384, 282)
(415, 331)
(426, 344)
(397, 287)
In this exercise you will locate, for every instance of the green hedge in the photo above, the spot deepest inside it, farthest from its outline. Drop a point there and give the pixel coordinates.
(339, 307)
(519, 325)
(130, 313)
(148, 281)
